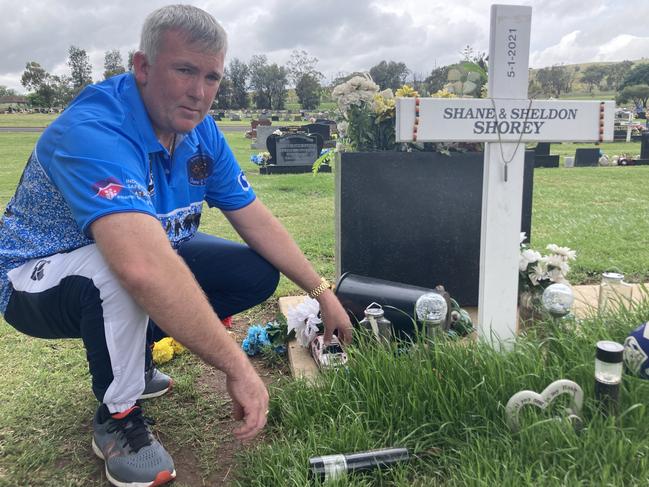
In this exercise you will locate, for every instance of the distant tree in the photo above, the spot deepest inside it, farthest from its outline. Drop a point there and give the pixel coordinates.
(239, 73)
(305, 77)
(4, 91)
(113, 63)
(593, 75)
(308, 91)
(277, 81)
(268, 82)
(389, 74)
(80, 68)
(33, 76)
(223, 98)
(554, 80)
(300, 64)
(129, 65)
(616, 73)
(638, 94)
(637, 75)
(437, 79)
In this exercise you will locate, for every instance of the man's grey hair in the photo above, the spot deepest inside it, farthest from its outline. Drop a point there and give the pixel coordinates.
(196, 25)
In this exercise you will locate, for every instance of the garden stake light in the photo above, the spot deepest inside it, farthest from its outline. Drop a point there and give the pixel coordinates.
(608, 375)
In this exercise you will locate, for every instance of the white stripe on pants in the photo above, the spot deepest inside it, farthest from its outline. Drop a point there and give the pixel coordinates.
(125, 322)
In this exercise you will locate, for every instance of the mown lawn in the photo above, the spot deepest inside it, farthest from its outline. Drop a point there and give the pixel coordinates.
(448, 396)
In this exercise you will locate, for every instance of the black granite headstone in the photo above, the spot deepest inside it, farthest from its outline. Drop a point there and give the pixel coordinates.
(318, 128)
(542, 149)
(586, 157)
(644, 146)
(415, 217)
(546, 161)
(294, 150)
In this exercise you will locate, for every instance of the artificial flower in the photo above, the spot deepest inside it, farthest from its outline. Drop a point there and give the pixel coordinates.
(163, 350)
(305, 320)
(407, 91)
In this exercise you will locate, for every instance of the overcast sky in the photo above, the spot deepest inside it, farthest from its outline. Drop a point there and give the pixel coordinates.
(345, 35)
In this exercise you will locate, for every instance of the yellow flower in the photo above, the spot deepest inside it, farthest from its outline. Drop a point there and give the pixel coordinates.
(383, 107)
(163, 350)
(406, 91)
(443, 93)
(178, 347)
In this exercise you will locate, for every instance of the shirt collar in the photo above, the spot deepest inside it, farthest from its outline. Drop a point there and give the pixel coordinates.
(143, 122)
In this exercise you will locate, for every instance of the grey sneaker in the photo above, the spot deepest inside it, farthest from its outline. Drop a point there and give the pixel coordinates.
(156, 383)
(133, 457)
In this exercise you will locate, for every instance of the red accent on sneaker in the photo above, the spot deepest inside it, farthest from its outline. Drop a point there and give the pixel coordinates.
(227, 322)
(123, 414)
(163, 477)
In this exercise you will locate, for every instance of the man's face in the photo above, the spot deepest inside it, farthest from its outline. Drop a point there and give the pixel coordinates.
(179, 86)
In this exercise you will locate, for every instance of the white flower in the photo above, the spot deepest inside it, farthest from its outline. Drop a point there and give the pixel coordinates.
(539, 272)
(555, 275)
(387, 94)
(564, 251)
(304, 319)
(555, 260)
(278, 132)
(528, 256)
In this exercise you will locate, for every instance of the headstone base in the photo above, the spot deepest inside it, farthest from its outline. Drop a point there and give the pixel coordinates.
(546, 161)
(291, 169)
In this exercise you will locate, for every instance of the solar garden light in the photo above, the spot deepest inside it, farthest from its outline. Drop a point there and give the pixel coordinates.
(613, 291)
(608, 374)
(376, 322)
(431, 308)
(557, 299)
(332, 467)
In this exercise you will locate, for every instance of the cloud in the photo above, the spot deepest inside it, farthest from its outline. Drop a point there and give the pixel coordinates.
(345, 35)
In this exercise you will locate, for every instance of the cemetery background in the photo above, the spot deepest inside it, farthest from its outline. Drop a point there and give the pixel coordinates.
(454, 402)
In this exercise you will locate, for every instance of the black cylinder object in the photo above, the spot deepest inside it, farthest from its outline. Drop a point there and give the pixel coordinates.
(330, 467)
(357, 292)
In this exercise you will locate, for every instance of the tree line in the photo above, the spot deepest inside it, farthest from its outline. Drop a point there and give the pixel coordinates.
(264, 85)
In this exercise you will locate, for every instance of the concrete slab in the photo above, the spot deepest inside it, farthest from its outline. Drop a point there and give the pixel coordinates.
(303, 366)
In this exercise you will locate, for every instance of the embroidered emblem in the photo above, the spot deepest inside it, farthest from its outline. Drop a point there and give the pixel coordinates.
(199, 168)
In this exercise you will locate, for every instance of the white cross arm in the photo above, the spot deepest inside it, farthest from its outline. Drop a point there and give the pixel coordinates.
(503, 120)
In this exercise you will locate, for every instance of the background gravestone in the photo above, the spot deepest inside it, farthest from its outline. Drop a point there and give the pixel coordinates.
(293, 153)
(542, 157)
(415, 218)
(263, 131)
(586, 157)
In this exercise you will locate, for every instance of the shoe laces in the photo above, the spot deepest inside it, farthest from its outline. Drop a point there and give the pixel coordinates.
(134, 428)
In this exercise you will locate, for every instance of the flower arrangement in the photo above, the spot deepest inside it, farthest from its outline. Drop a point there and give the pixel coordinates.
(261, 337)
(536, 271)
(305, 320)
(367, 118)
(164, 350)
(260, 159)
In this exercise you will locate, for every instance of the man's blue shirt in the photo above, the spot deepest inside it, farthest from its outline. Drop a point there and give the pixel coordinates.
(101, 156)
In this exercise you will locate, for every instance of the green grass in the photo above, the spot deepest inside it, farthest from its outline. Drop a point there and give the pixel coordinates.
(383, 400)
(448, 399)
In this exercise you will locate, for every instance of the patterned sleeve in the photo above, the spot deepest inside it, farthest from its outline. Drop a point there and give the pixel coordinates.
(98, 171)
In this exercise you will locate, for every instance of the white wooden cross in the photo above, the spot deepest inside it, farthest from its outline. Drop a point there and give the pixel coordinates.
(505, 121)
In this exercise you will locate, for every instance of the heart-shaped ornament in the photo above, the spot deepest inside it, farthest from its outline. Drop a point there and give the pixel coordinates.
(543, 400)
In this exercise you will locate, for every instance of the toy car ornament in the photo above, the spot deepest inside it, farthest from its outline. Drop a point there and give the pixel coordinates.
(330, 356)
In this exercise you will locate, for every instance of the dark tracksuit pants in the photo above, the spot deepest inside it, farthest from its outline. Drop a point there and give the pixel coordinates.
(75, 295)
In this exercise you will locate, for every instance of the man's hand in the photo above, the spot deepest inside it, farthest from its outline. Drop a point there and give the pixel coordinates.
(335, 318)
(249, 402)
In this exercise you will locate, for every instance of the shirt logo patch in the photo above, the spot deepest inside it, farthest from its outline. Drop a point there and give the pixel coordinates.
(108, 188)
(39, 270)
(243, 181)
(199, 168)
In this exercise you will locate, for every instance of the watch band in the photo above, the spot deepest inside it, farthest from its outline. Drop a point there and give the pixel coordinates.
(322, 287)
